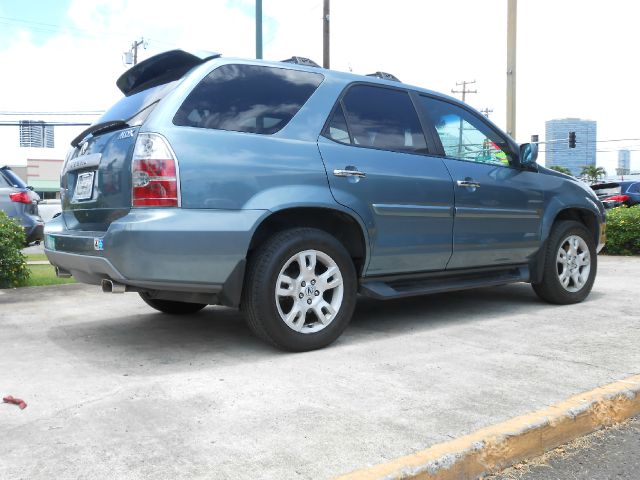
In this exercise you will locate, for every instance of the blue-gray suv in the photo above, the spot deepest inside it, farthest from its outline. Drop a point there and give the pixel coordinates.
(286, 190)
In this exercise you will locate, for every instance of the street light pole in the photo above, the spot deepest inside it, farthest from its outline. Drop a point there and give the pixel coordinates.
(325, 34)
(512, 24)
(258, 29)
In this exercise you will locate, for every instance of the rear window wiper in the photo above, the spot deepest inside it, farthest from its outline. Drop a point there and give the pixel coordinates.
(99, 128)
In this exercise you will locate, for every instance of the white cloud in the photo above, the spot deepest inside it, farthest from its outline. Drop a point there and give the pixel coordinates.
(575, 57)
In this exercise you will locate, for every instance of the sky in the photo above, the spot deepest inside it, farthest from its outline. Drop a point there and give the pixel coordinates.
(575, 58)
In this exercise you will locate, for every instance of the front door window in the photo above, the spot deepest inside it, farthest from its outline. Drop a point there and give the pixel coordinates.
(464, 136)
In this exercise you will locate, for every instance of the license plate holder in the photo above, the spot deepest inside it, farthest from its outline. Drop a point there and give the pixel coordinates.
(84, 186)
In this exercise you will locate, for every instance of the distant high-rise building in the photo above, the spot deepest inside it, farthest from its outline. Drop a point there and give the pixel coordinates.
(557, 148)
(35, 133)
(624, 162)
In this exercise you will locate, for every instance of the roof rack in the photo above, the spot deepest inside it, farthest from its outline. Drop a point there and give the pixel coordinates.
(384, 76)
(301, 61)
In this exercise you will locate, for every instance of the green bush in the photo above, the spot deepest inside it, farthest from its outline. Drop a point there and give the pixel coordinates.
(13, 264)
(623, 231)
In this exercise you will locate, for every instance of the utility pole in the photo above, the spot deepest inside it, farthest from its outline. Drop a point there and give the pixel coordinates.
(134, 49)
(325, 34)
(131, 57)
(512, 23)
(258, 29)
(464, 90)
(486, 112)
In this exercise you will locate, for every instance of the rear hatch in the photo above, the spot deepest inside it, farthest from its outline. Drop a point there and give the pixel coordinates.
(96, 179)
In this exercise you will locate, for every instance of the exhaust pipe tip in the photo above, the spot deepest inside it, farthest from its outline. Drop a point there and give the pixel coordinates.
(109, 286)
(62, 273)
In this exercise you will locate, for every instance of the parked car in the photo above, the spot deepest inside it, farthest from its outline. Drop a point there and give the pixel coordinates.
(614, 194)
(286, 189)
(19, 202)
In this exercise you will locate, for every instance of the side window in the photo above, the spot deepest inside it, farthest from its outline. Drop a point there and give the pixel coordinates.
(465, 136)
(247, 98)
(379, 118)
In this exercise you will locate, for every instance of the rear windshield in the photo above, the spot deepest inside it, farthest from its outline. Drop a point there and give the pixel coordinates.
(607, 192)
(12, 178)
(247, 98)
(137, 105)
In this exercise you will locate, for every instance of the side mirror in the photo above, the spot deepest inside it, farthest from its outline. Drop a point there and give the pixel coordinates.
(528, 154)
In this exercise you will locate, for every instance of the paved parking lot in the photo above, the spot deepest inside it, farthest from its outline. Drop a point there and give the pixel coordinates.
(117, 390)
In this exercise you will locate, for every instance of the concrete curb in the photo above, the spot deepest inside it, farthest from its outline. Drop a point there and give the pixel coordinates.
(496, 447)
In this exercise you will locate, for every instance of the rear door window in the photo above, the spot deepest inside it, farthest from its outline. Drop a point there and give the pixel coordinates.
(247, 98)
(377, 117)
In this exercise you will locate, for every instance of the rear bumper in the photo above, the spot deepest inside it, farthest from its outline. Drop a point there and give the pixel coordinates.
(177, 250)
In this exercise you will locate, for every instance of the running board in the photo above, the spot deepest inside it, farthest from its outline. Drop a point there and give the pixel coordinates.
(394, 287)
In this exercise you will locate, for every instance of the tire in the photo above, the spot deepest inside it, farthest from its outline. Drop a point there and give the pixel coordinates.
(570, 264)
(170, 306)
(311, 310)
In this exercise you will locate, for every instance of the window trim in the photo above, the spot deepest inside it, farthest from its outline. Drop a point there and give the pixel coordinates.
(323, 132)
(440, 148)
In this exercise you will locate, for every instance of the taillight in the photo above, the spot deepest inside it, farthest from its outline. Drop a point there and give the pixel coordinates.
(20, 197)
(154, 173)
(619, 198)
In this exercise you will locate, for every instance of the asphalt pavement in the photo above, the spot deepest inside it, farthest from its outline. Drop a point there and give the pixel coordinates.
(117, 390)
(609, 454)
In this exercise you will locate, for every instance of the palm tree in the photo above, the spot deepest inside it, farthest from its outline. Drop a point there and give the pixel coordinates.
(560, 169)
(593, 173)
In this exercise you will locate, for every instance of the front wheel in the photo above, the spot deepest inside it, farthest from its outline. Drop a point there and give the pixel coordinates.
(300, 290)
(570, 264)
(170, 306)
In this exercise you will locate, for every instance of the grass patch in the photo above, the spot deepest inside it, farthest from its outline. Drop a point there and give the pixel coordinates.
(45, 275)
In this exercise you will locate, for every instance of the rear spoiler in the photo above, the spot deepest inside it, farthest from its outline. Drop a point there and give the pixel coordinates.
(158, 70)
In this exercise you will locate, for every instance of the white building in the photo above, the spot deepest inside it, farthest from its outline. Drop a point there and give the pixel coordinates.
(624, 162)
(35, 149)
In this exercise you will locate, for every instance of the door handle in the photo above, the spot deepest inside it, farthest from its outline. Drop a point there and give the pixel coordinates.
(468, 184)
(349, 173)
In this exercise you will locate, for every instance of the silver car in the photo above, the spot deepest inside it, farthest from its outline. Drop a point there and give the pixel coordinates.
(19, 202)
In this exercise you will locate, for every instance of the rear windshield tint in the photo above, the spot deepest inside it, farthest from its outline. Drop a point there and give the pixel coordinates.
(247, 98)
(128, 108)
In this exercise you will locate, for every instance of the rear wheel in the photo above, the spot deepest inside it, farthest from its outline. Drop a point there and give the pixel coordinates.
(170, 306)
(300, 290)
(570, 264)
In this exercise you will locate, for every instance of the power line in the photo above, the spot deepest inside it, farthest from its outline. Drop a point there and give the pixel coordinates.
(47, 124)
(76, 113)
(55, 28)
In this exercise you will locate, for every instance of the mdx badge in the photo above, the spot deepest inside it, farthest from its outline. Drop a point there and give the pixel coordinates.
(126, 134)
